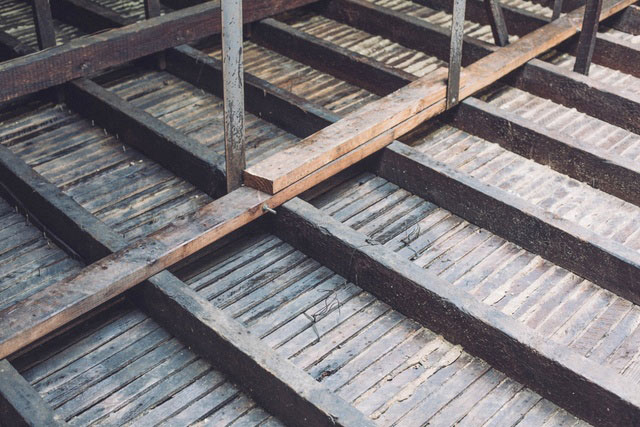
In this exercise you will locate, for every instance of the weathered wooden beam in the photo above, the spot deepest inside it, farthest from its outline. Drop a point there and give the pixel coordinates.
(349, 66)
(627, 21)
(87, 15)
(498, 26)
(233, 89)
(283, 108)
(43, 20)
(593, 392)
(608, 172)
(600, 260)
(176, 151)
(86, 55)
(278, 385)
(455, 52)
(587, 39)
(20, 403)
(404, 109)
(608, 51)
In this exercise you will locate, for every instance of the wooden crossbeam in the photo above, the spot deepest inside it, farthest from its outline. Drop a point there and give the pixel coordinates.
(20, 403)
(324, 56)
(407, 107)
(608, 51)
(601, 260)
(86, 55)
(277, 384)
(593, 392)
(394, 115)
(599, 168)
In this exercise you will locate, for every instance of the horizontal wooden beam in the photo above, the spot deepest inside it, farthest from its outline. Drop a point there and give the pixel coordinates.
(174, 150)
(608, 172)
(593, 392)
(267, 101)
(20, 403)
(87, 55)
(603, 261)
(404, 109)
(347, 65)
(277, 384)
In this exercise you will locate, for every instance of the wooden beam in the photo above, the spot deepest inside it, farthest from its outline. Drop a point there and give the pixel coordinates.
(608, 51)
(587, 39)
(275, 383)
(267, 101)
(455, 52)
(233, 89)
(86, 55)
(494, 13)
(87, 15)
(43, 20)
(593, 392)
(20, 404)
(347, 65)
(608, 172)
(176, 151)
(627, 21)
(603, 261)
(404, 109)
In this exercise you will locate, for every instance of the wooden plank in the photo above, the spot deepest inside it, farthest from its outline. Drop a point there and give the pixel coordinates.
(583, 387)
(86, 55)
(608, 172)
(20, 404)
(276, 383)
(233, 90)
(587, 40)
(176, 151)
(45, 33)
(412, 104)
(603, 261)
(347, 65)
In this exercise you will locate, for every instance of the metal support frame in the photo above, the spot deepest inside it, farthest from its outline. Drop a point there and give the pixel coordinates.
(587, 41)
(496, 20)
(455, 52)
(233, 79)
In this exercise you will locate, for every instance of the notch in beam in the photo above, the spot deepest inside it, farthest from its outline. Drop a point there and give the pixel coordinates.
(233, 81)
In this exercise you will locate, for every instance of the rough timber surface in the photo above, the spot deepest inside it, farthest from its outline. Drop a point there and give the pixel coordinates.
(390, 367)
(124, 369)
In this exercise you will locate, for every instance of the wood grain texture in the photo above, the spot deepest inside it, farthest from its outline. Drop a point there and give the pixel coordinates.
(86, 55)
(412, 101)
(583, 387)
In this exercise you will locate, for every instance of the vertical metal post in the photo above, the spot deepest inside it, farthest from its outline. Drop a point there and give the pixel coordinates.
(496, 20)
(151, 10)
(233, 79)
(557, 9)
(44, 23)
(587, 40)
(455, 52)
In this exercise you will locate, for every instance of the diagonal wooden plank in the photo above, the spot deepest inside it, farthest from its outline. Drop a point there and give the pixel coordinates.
(421, 99)
(593, 392)
(87, 55)
(274, 382)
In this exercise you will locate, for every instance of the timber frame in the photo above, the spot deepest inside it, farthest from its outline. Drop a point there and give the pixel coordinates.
(334, 148)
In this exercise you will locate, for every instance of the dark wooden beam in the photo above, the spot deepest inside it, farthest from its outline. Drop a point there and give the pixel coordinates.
(587, 39)
(176, 151)
(20, 403)
(590, 391)
(605, 262)
(278, 385)
(608, 172)
(627, 21)
(609, 52)
(455, 53)
(269, 102)
(87, 55)
(87, 15)
(43, 20)
(349, 66)
(493, 9)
